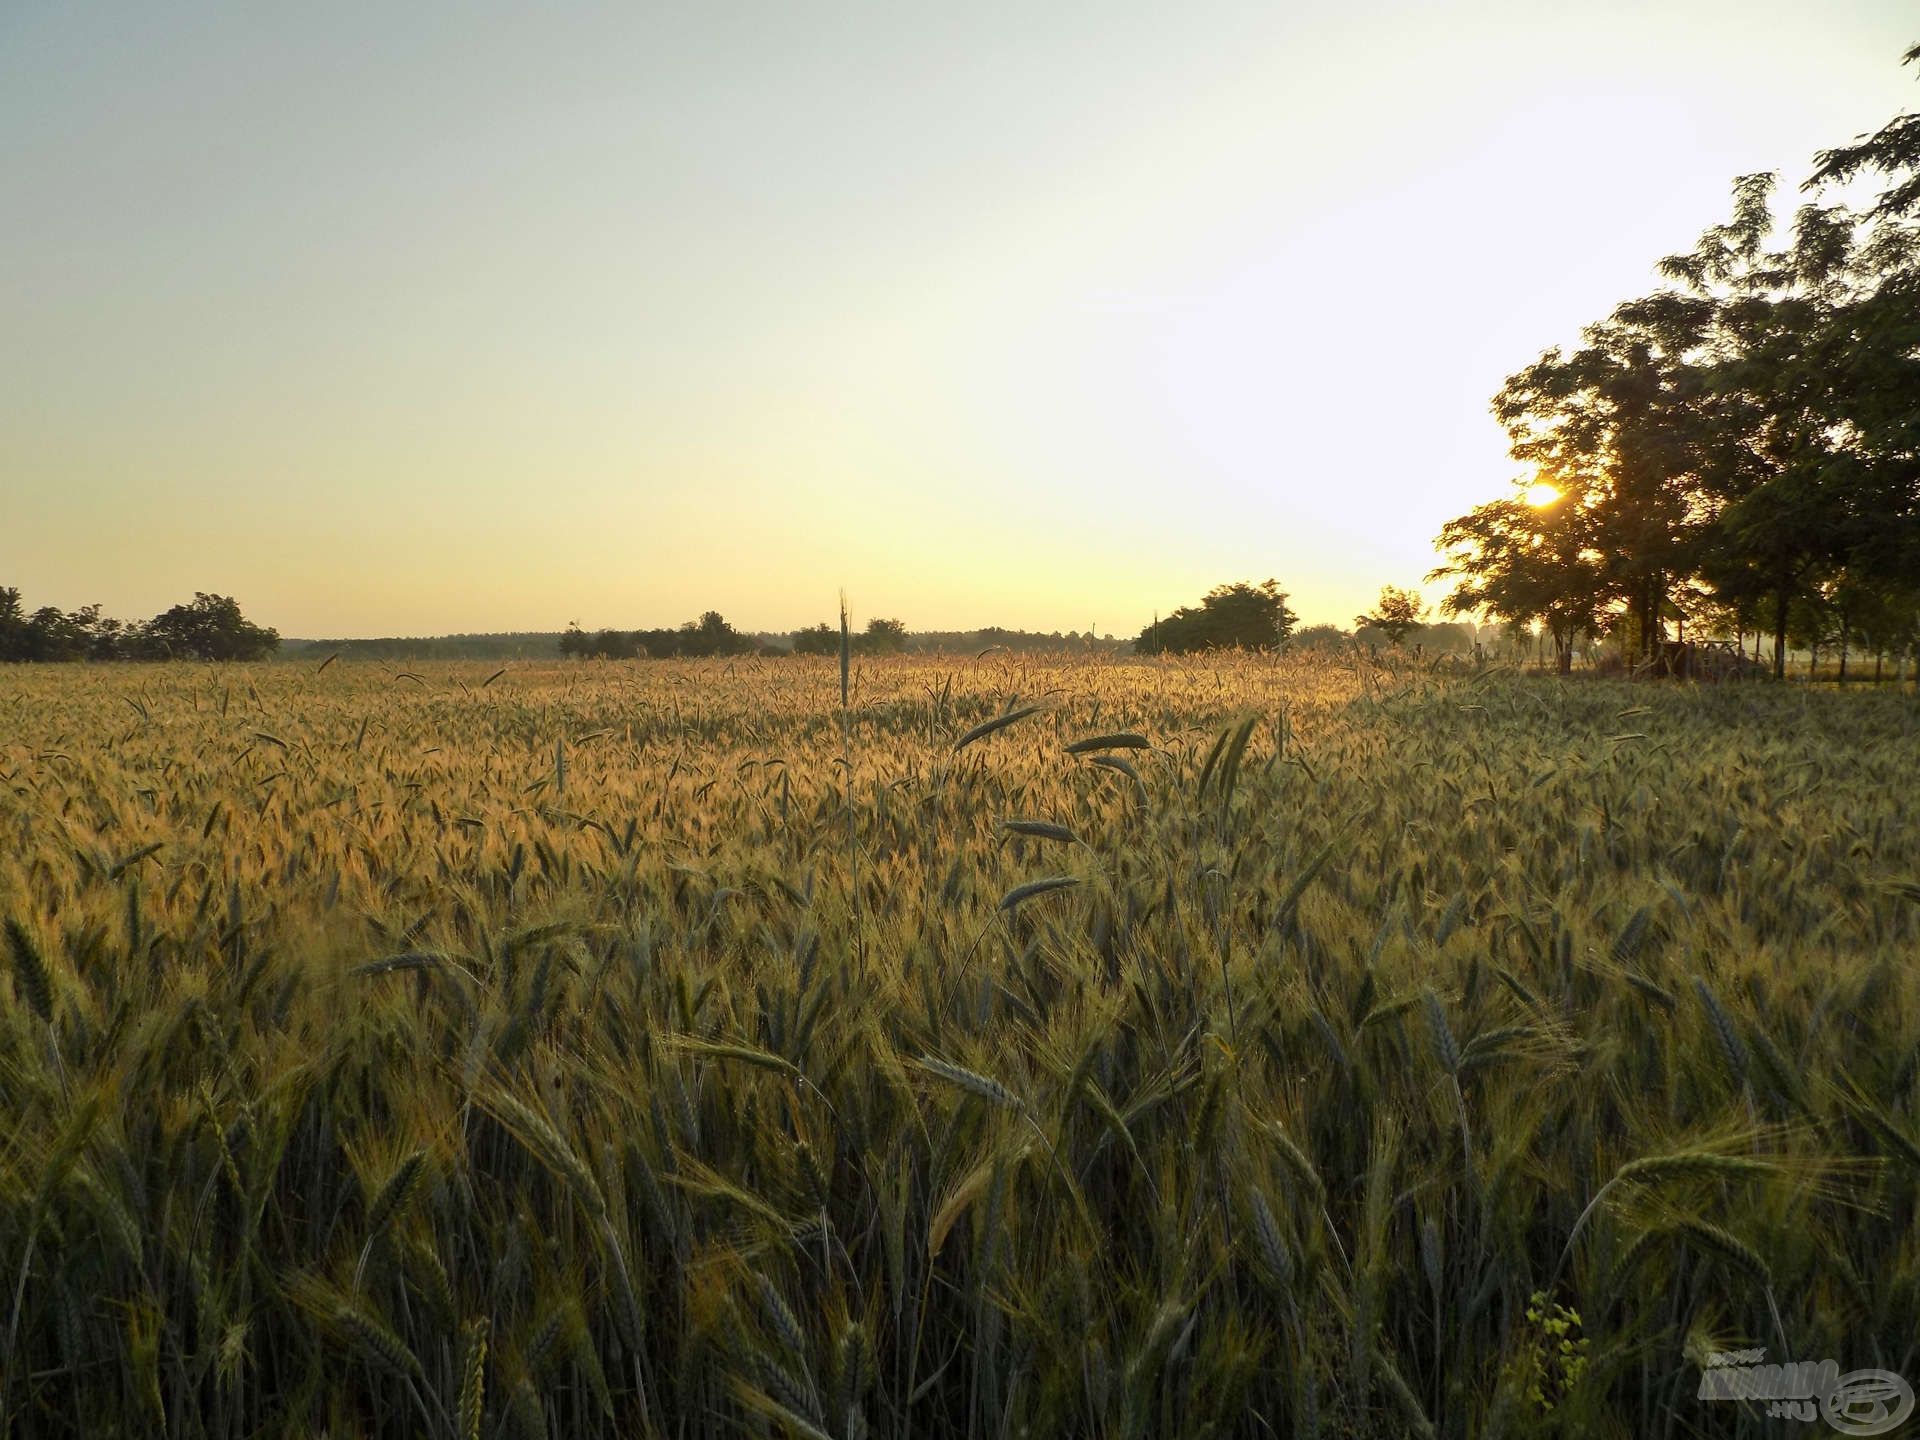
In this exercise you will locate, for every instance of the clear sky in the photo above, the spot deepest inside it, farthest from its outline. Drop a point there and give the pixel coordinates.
(401, 319)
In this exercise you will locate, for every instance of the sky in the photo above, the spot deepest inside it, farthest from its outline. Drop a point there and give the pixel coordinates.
(411, 319)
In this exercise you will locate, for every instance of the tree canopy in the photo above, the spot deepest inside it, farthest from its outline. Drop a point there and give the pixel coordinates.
(881, 637)
(210, 627)
(709, 635)
(1739, 449)
(1397, 615)
(1249, 617)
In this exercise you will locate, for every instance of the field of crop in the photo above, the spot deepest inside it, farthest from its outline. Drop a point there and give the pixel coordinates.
(1255, 1047)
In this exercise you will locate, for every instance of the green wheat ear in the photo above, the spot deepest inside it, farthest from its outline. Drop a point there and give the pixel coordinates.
(471, 1405)
(846, 649)
(30, 975)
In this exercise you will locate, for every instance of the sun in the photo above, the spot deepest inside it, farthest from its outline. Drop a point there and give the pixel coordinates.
(1542, 495)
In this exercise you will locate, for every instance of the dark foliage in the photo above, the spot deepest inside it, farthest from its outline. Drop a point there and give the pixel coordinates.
(1238, 616)
(709, 635)
(211, 627)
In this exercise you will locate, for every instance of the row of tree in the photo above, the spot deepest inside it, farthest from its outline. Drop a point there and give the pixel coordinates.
(1738, 451)
(474, 646)
(711, 634)
(1242, 616)
(1256, 617)
(211, 627)
(881, 637)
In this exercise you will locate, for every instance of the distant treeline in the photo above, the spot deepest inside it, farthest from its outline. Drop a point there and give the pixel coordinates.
(506, 645)
(1231, 616)
(711, 634)
(1256, 617)
(974, 641)
(696, 638)
(1446, 638)
(211, 627)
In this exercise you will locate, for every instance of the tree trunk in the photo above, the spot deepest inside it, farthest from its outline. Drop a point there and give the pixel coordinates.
(1780, 633)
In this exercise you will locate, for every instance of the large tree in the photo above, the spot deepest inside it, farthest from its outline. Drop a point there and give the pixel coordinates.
(1398, 615)
(1525, 561)
(1794, 502)
(1248, 617)
(210, 628)
(1744, 443)
(1613, 426)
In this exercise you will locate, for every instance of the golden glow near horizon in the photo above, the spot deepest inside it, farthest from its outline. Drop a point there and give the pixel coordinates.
(402, 320)
(1541, 495)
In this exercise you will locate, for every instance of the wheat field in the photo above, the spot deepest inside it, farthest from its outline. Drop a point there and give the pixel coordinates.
(1259, 1046)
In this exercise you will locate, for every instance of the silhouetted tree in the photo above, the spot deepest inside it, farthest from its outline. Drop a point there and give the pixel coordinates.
(211, 628)
(1251, 617)
(13, 624)
(1742, 448)
(881, 637)
(612, 645)
(709, 635)
(884, 636)
(712, 635)
(1398, 615)
(1319, 637)
(821, 639)
(1522, 563)
(1893, 150)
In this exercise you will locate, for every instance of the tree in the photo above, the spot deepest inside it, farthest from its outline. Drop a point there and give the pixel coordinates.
(884, 636)
(13, 625)
(709, 635)
(712, 635)
(1399, 614)
(1613, 427)
(881, 637)
(821, 639)
(1520, 563)
(211, 628)
(1787, 486)
(53, 636)
(1251, 617)
(613, 645)
(102, 636)
(1740, 446)
(1892, 149)
(1319, 637)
